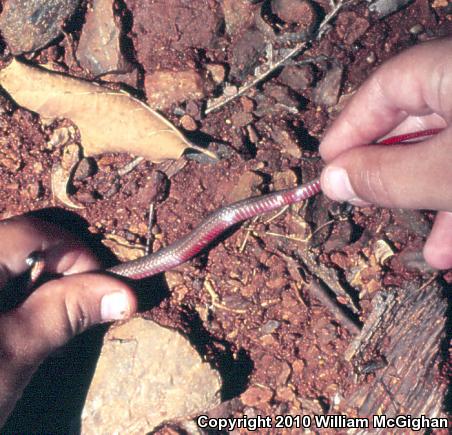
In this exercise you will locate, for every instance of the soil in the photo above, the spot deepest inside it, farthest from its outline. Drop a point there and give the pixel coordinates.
(247, 303)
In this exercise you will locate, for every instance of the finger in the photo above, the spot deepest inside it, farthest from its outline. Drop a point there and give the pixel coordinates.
(417, 123)
(59, 310)
(62, 252)
(408, 176)
(414, 83)
(438, 248)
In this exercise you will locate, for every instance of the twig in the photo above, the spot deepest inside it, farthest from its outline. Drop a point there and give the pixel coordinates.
(217, 103)
(317, 289)
(151, 218)
(130, 166)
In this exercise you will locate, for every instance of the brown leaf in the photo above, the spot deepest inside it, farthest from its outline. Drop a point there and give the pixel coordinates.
(108, 121)
(62, 173)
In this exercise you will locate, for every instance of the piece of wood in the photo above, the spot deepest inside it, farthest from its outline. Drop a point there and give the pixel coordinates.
(407, 328)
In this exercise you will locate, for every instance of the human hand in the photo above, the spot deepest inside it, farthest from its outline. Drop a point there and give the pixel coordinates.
(411, 92)
(57, 310)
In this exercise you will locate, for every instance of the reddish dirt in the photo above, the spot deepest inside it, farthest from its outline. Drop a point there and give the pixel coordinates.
(263, 323)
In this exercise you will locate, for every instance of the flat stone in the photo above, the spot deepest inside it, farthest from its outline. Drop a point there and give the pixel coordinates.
(146, 375)
(99, 48)
(28, 25)
(350, 27)
(298, 78)
(246, 53)
(327, 92)
(164, 87)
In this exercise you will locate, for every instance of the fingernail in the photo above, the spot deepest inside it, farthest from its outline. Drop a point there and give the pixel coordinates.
(114, 306)
(337, 185)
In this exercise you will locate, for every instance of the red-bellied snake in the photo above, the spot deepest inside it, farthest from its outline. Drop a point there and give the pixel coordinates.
(207, 231)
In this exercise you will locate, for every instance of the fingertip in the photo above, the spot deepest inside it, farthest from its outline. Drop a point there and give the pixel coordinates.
(438, 247)
(336, 185)
(65, 307)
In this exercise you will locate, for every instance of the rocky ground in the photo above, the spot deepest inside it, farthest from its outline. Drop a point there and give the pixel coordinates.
(278, 307)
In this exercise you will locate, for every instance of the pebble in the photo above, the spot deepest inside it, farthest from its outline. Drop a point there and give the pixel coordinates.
(269, 327)
(86, 168)
(99, 48)
(246, 53)
(188, 123)
(371, 57)
(287, 142)
(217, 71)
(281, 95)
(327, 92)
(384, 8)
(298, 78)
(284, 180)
(299, 12)
(164, 87)
(350, 27)
(158, 376)
(28, 25)
(416, 29)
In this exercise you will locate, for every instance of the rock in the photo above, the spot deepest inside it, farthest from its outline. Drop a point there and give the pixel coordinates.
(298, 78)
(28, 25)
(86, 168)
(99, 48)
(238, 15)
(287, 142)
(281, 95)
(385, 7)
(284, 180)
(350, 27)
(217, 71)
(146, 375)
(246, 53)
(327, 92)
(188, 123)
(299, 12)
(247, 186)
(164, 87)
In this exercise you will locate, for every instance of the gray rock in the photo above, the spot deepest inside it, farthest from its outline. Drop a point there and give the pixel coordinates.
(28, 25)
(246, 53)
(99, 48)
(298, 78)
(385, 7)
(147, 375)
(327, 92)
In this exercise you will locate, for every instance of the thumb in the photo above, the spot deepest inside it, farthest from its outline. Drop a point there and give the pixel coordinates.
(416, 176)
(59, 310)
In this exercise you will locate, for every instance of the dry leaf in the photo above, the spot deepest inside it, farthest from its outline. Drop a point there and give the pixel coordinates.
(383, 251)
(62, 174)
(108, 121)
